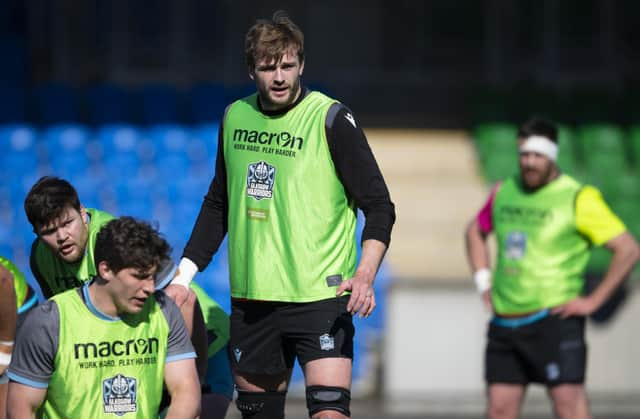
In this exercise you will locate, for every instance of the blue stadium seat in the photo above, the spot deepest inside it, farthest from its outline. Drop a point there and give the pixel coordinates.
(159, 104)
(20, 153)
(171, 150)
(202, 149)
(206, 102)
(56, 103)
(67, 150)
(121, 150)
(108, 104)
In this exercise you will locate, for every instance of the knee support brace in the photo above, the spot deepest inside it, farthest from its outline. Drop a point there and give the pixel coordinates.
(261, 405)
(321, 398)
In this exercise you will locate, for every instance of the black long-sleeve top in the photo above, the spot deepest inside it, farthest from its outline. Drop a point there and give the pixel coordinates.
(356, 167)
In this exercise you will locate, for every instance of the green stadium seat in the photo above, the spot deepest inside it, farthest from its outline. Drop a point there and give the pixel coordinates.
(567, 159)
(602, 149)
(634, 142)
(497, 149)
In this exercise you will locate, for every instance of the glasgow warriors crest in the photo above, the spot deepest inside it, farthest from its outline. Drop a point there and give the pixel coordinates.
(119, 394)
(260, 179)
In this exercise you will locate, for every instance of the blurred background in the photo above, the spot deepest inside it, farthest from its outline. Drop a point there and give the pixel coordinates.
(123, 98)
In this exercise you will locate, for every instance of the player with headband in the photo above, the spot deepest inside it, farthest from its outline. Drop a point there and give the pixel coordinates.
(545, 223)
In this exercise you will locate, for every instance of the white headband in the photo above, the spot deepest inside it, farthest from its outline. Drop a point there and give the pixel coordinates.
(541, 145)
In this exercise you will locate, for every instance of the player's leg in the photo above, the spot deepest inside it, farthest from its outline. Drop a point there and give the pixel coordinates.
(261, 368)
(568, 354)
(4, 387)
(218, 386)
(570, 401)
(505, 400)
(328, 387)
(505, 372)
(322, 333)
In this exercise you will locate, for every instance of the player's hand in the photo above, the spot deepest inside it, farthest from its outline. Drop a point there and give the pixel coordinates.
(363, 297)
(486, 299)
(581, 306)
(178, 293)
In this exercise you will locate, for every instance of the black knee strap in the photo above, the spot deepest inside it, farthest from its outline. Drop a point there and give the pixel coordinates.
(261, 405)
(328, 398)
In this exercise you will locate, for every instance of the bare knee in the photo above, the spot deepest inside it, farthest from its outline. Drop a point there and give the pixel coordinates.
(328, 414)
(503, 410)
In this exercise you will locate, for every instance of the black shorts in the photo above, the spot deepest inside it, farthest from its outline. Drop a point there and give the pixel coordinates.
(267, 337)
(549, 351)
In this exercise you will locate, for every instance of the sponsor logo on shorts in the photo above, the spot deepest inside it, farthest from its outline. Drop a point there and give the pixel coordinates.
(553, 371)
(237, 353)
(516, 245)
(260, 179)
(326, 342)
(119, 395)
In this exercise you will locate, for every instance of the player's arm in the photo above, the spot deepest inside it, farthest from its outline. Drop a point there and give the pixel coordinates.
(180, 374)
(477, 248)
(8, 317)
(23, 401)
(208, 232)
(183, 385)
(362, 179)
(596, 221)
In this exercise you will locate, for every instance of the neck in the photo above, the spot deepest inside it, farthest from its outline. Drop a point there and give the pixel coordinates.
(101, 299)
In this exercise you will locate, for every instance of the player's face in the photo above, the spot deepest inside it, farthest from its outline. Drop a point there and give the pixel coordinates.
(130, 288)
(536, 169)
(67, 235)
(278, 82)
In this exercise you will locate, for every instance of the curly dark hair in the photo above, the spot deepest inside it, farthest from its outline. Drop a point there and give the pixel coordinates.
(129, 243)
(47, 200)
(271, 39)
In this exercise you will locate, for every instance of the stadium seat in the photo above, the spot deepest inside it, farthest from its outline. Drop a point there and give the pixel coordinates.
(171, 155)
(20, 153)
(158, 104)
(108, 104)
(207, 102)
(121, 150)
(497, 148)
(203, 145)
(56, 103)
(602, 149)
(567, 161)
(67, 153)
(634, 143)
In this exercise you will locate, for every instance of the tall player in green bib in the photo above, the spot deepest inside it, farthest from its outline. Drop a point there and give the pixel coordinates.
(545, 223)
(292, 167)
(107, 347)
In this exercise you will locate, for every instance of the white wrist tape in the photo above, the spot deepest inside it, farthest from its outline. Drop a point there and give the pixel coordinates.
(5, 359)
(541, 145)
(186, 271)
(482, 278)
(6, 342)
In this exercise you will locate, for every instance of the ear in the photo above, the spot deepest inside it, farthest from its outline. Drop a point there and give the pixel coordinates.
(104, 271)
(84, 215)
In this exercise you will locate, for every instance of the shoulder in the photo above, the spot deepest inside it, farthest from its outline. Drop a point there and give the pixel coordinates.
(166, 304)
(44, 316)
(588, 193)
